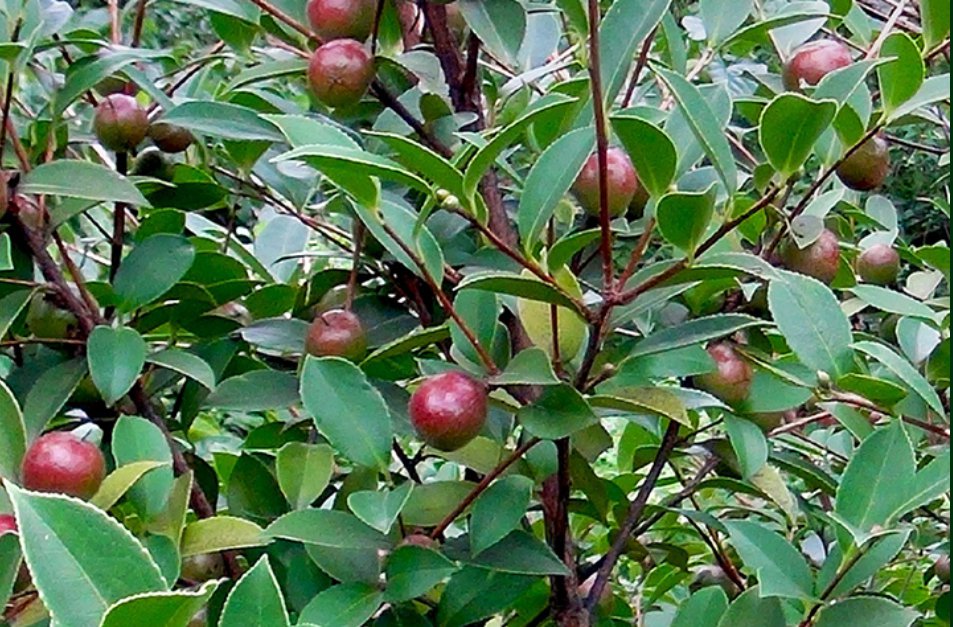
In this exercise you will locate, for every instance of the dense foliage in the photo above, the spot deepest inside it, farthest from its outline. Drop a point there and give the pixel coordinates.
(393, 312)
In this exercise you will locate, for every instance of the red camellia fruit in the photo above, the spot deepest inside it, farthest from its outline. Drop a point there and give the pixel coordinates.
(61, 462)
(731, 381)
(342, 19)
(8, 524)
(120, 123)
(337, 333)
(170, 138)
(879, 264)
(621, 179)
(340, 72)
(867, 167)
(448, 410)
(812, 61)
(819, 260)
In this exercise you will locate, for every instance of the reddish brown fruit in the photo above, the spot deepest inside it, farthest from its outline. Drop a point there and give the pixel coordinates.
(812, 61)
(120, 123)
(61, 462)
(879, 264)
(819, 260)
(942, 568)
(622, 182)
(341, 19)
(8, 524)
(340, 72)
(202, 567)
(731, 381)
(170, 138)
(336, 333)
(867, 167)
(448, 410)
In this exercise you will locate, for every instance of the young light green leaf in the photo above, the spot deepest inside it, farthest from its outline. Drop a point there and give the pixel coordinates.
(380, 509)
(530, 366)
(50, 393)
(115, 357)
(136, 439)
(304, 471)
(703, 609)
(786, 150)
(749, 444)
(624, 27)
(256, 600)
(498, 511)
(516, 285)
(935, 18)
(220, 533)
(722, 19)
(81, 179)
(752, 610)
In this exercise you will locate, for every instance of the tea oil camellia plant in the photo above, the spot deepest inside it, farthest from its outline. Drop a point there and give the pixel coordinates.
(486, 312)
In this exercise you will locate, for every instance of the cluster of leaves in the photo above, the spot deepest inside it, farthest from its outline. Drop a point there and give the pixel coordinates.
(163, 312)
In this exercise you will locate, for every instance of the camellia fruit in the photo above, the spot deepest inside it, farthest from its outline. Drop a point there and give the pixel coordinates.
(731, 380)
(170, 138)
(448, 410)
(63, 463)
(812, 61)
(879, 264)
(202, 567)
(340, 72)
(621, 179)
(537, 319)
(337, 333)
(120, 123)
(867, 167)
(942, 568)
(341, 19)
(820, 259)
(8, 524)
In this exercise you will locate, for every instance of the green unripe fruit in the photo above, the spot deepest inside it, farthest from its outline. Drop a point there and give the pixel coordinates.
(731, 380)
(448, 410)
(621, 182)
(879, 264)
(170, 138)
(867, 167)
(46, 320)
(537, 321)
(341, 19)
(120, 123)
(340, 72)
(153, 163)
(61, 462)
(820, 259)
(813, 61)
(336, 333)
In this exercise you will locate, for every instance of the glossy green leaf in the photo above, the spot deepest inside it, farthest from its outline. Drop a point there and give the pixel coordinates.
(934, 89)
(428, 163)
(473, 594)
(892, 301)
(786, 150)
(530, 366)
(694, 331)
(683, 217)
(404, 224)
(479, 310)
(782, 571)
(115, 357)
(722, 19)
(136, 440)
(430, 502)
(380, 509)
(222, 119)
(343, 605)
(498, 511)
(151, 269)
(304, 471)
(652, 151)
(120, 480)
(935, 18)
(160, 609)
(255, 600)
(355, 160)
(900, 78)
(866, 611)
(624, 27)
(192, 366)
(656, 401)
(413, 571)
(500, 25)
(50, 393)
(521, 553)
(749, 444)
(256, 390)
(906, 372)
(559, 411)
(703, 609)
(329, 528)
(516, 285)
(751, 610)
(81, 179)
(220, 533)
(12, 434)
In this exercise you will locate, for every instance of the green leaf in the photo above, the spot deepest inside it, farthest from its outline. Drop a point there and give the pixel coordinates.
(901, 78)
(749, 444)
(304, 471)
(559, 411)
(329, 528)
(892, 301)
(751, 610)
(10, 564)
(624, 27)
(782, 571)
(347, 410)
(704, 126)
(789, 127)
(683, 217)
(413, 571)
(500, 25)
(651, 150)
(473, 594)
(429, 503)
(868, 565)
(12, 434)
(810, 319)
(50, 393)
(703, 609)
(424, 160)
(930, 483)
(151, 269)
(160, 609)
(549, 179)
(694, 331)
(185, 363)
(81, 179)
(530, 288)
(656, 401)
(115, 358)
(355, 160)
(255, 600)
(479, 310)
(10, 307)
(498, 511)
(935, 19)
(220, 533)
(866, 611)
(722, 19)
(134, 440)
(530, 366)
(344, 605)
(902, 368)
(934, 89)
(81, 77)
(74, 552)
(380, 509)
(252, 490)
(418, 338)
(221, 119)
(256, 390)
(521, 553)
(119, 481)
(268, 70)
(404, 223)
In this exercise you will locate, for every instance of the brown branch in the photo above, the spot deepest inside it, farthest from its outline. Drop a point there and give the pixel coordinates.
(119, 221)
(391, 102)
(138, 22)
(640, 64)
(359, 231)
(602, 147)
(637, 254)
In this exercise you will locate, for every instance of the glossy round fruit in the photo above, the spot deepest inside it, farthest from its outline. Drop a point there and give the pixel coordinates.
(731, 381)
(152, 162)
(340, 72)
(341, 19)
(61, 462)
(867, 167)
(704, 576)
(337, 333)
(46, 320)
(942, 568)
(537, 320)
(879, 264)
(170, 138)
(820, 259)
(202, 567)
(448, 410)
(621, 180)
(812, 61)
(120, 123)
(8, 524)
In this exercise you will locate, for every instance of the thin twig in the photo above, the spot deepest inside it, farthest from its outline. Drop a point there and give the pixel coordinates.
(602, 147)
(640, 64)
(119, 221)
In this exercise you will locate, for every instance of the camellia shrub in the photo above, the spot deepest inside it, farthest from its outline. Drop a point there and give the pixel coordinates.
(497, 312)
